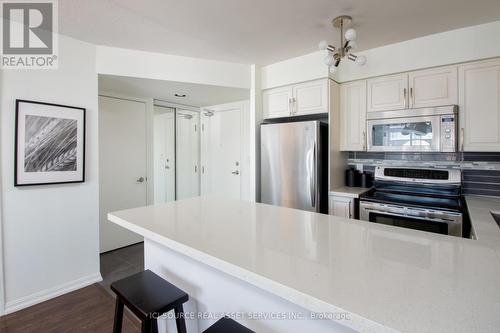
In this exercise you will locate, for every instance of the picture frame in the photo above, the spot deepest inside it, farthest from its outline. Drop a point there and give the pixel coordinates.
(49, 143)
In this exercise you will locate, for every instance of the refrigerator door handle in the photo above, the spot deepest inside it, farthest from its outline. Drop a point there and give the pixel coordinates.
(312, 184)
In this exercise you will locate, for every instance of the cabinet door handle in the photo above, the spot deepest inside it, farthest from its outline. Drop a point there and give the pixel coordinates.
(462, 139)
(404, 97)
(364, 140)
(290, 107)
(411, 96)
(294, 105)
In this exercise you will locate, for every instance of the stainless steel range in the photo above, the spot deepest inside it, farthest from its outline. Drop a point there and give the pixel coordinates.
(422, 199)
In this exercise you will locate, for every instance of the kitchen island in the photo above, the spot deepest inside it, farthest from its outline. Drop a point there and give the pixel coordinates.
(284, 270)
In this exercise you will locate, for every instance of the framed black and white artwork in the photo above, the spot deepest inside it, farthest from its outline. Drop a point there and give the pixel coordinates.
(50, 144)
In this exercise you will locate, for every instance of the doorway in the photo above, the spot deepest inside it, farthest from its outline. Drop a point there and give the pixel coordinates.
(225, 151)
(167, 127)
(122, 165)
(222, 153)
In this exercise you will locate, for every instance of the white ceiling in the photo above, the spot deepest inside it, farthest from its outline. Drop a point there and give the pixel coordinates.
(260, 31)
(196, 94)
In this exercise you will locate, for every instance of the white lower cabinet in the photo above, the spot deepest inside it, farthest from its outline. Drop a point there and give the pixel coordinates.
(341, 206)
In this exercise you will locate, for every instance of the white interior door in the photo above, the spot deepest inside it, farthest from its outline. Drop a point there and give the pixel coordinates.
(122, 166)
(222, 159)
(164, 154)
(187, 154)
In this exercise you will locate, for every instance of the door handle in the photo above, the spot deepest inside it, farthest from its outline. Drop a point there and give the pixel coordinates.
(140, 180)
(312, 185)
(235, 172)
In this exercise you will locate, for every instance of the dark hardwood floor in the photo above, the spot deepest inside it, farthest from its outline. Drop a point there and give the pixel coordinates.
(118, 264)
(89, 309)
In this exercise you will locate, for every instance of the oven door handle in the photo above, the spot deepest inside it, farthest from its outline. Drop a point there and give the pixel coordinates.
(393, 213)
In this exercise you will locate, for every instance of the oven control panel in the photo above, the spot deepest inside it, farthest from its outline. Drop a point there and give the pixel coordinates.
(448, 142)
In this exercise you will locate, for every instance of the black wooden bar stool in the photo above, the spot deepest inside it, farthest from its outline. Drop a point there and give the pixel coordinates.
(227, 325)
(148, 296)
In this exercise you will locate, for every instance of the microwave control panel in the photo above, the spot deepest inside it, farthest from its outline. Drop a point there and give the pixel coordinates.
(448, 134)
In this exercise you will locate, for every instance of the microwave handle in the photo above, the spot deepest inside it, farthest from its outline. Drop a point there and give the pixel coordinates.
(312, 181)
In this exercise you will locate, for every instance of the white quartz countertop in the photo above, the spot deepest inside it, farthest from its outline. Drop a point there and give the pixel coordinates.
(483, 224)
(349, 192)
(388, 278)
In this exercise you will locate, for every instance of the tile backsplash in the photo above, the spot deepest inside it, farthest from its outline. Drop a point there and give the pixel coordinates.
(480, 171)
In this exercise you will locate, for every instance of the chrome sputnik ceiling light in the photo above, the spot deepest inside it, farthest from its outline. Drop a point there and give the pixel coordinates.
(347, 44)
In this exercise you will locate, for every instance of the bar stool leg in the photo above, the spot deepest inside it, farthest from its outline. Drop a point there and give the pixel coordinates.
(154, 325)
(179, 319)
(146, 326)
(117, 325)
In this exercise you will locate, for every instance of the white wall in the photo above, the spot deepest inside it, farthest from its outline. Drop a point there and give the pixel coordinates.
(50, 233)
(255, 120)
(455, 46)
(304, 68)
(125, 62)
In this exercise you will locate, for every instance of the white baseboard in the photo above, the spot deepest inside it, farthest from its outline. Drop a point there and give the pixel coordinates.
(50, 293)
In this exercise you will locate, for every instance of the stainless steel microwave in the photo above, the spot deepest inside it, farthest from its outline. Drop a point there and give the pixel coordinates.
(414, 130)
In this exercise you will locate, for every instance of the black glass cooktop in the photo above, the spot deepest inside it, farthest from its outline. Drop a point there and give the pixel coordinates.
(451, 203)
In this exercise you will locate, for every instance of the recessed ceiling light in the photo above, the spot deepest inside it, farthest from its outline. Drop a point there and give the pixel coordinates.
(179, 95)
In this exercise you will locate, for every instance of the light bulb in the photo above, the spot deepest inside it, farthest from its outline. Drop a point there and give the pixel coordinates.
(333, 69)
(361, 60)
(323, 45)
(329, 60)
(350, 34)
(353, 44)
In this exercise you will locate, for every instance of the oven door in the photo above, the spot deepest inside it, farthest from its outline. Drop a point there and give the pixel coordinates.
(418, 134)
(441, 222)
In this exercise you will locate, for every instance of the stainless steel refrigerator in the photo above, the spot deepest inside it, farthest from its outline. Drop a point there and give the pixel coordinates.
(294, 165)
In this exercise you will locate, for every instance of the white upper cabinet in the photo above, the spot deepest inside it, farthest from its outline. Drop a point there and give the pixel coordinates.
(433, 87)
(310, 98)
(277, 102)
(353, 116)
(296, 100)
(479, 106)
(388, 93)
(419, 89)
